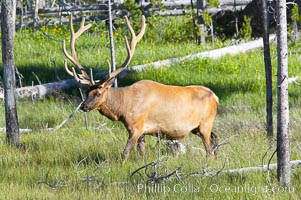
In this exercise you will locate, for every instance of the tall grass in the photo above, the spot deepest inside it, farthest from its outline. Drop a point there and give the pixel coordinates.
(78, 163)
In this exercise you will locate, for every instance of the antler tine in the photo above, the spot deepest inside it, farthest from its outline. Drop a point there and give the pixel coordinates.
(91, 77)
(130, 48)
(72, 59)
(109, 68)
(80, 79)
(83, 77)
(67, 69)
(74, 36)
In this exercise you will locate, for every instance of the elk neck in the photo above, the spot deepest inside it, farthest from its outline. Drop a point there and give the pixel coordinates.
(114, 106)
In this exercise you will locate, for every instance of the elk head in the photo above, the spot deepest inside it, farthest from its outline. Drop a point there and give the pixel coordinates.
(97, 94)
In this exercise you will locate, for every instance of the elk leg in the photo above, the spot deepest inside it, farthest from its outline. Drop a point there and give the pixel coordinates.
(209, 139)
(128, 148)
(141, 145)
(207, 144)
(134, 135)
(214, 144)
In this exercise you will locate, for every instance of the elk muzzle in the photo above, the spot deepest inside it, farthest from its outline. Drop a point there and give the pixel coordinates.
(84, 107)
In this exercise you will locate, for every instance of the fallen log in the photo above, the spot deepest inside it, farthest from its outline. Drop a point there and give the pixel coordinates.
(213, 54)
(26, 130)
(293, 163)
(47, 89)
(294, 80)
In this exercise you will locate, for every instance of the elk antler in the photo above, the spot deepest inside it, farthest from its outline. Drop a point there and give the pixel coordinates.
(83, 77)
(130, 48)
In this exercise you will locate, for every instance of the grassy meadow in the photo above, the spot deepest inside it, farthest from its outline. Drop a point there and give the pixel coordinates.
(78, 163)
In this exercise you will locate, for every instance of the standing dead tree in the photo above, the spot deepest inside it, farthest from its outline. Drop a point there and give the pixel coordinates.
(268, 69)
(283, 138)
(8, 17)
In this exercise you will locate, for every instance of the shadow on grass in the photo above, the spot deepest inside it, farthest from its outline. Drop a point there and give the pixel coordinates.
(222, 90)
(45, 74)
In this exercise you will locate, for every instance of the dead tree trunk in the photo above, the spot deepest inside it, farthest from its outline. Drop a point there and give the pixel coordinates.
(293, 164)
(36, 9)
(45, 90)
(112, 47)
(200, 9)
(283, 141)
(8, 16)
(268, 69)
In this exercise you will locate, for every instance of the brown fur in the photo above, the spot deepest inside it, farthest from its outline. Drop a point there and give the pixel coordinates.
(148, 107)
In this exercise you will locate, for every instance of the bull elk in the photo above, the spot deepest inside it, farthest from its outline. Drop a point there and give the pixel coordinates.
(147, 107)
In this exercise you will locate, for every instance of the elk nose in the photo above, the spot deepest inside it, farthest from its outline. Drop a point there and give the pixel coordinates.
(84, 107)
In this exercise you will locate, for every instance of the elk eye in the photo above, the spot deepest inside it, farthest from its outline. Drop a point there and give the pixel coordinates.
(98, 94)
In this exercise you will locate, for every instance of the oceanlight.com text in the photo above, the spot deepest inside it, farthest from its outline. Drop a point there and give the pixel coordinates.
(251, 189)
(213, 188)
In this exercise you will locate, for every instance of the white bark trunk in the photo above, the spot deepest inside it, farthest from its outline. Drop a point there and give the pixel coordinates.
(283, 140)
(8, 18)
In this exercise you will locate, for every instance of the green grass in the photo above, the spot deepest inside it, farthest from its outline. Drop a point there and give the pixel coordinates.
(75, 163)
(67, 157)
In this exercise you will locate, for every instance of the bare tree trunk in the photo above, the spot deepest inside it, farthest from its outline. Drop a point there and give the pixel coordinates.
(8, 16)
(112, 48)
(201, 39)
(268, 69)
(296, 34)
(36, 9)
(283, 141)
